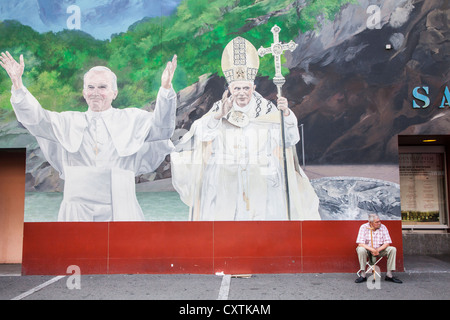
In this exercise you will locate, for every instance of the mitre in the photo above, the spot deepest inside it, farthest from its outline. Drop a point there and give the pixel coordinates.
(240, 60)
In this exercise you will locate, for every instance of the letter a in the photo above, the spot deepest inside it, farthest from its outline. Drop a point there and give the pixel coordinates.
(74, 21)
(374, 282)
(373, 22)
(74, 281)
(445, 97)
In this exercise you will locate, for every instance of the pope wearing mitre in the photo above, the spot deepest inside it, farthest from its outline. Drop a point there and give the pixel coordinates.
(229, 165)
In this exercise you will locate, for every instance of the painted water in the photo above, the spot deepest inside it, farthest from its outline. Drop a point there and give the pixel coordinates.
(341, 198)
(157, 206)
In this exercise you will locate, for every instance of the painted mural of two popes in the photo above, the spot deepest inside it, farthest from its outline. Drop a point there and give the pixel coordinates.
(224, 160)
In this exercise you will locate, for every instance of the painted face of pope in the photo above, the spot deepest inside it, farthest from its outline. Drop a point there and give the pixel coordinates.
(242, 92)
(100, 89)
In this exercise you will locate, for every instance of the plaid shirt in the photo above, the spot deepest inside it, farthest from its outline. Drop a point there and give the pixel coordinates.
(380, 236)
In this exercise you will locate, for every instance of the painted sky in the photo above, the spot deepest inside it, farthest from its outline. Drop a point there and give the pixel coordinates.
(101, 19)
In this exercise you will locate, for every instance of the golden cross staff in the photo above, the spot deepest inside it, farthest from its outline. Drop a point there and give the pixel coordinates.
(276, 49)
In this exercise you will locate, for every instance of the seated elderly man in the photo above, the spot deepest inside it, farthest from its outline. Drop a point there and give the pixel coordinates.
(373, 242)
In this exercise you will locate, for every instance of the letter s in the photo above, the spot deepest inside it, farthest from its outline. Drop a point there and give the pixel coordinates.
(420, 97)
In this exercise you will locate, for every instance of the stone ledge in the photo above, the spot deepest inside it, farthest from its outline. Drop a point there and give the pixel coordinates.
(426, 243)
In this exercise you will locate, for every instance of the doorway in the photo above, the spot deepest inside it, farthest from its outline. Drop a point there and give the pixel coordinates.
(12, 204)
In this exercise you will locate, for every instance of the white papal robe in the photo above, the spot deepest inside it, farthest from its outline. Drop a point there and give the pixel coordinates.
(98, 154)
(224, 172)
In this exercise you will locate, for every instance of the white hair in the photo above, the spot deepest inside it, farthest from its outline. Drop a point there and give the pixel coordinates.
(102, 69)
(373, 216)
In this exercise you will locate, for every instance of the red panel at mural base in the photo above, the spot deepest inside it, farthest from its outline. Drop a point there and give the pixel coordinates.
(204, 247)
(49, 248)
(160, 247)
(257, 247)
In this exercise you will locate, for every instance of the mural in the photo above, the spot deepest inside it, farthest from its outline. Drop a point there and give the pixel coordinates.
(349, 82)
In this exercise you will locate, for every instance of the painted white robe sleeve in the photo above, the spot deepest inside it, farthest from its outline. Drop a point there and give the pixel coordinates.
(164, 116)
(157, 144)
(39, 122)
(187, 163)
(291, 130)
(187, 167)
(30, 113)
(209, 128)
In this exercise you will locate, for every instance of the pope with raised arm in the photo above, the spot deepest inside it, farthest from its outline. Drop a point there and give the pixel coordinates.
(228, 166)
(99, 152)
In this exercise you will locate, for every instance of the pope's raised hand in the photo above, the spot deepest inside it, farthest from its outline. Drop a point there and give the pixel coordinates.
(227, 103)
(13, 68)
(169, 71)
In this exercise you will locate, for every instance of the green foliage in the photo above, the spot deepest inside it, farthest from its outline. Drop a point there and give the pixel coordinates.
(197, 33)
(319, 10)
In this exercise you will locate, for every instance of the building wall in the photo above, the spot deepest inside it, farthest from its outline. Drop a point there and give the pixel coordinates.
(363, 74)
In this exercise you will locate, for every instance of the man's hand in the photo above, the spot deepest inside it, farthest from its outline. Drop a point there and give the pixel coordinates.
(282, 104)
(227, 103)
(169, 71)
(14, 69)
(374, 252)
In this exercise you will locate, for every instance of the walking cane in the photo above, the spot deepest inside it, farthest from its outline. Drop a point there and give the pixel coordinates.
(371, 242)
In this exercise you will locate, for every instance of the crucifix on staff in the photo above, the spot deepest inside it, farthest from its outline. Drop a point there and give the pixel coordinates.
(277, 49)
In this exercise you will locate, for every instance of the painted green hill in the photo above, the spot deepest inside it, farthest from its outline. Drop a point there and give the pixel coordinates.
(197, 33)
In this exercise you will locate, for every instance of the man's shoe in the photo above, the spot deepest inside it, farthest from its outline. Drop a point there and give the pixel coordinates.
(361, 279)
(393, 279)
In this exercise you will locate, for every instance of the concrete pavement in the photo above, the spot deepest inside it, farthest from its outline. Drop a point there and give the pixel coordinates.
(425, 278)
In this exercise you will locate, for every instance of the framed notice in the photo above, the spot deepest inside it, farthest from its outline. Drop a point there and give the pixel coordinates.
(423, 186)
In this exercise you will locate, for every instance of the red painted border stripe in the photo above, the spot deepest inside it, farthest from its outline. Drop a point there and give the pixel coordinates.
(203, 247)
